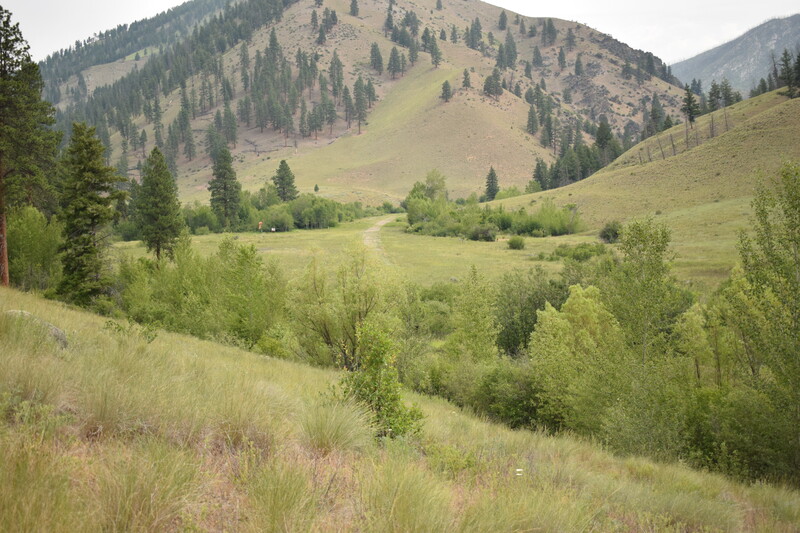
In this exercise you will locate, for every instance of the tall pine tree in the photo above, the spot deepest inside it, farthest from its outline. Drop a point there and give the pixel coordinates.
(284, 182)
(492, 185)
(158, 211)
(225, 189)
(88, 200)
(26, 143)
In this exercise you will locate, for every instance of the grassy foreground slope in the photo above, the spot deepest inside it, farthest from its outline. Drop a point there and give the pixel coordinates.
(702, 192)
(118, 433)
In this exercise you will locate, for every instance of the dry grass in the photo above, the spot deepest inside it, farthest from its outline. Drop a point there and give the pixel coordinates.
(198, 436)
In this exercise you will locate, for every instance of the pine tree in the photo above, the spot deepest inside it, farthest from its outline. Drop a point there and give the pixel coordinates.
(436, 53)
(229, 125)
(394, 65)
(538, 61)
(562, 58)
(466, 81)
(439, 5)
(492, 186)
(690, 107)
(376, 59)
(447, 92)
(503, 22)
(88, 200)
(27, 145)
(360, 101)
(225, 189)
(533, 123)
(787, 75)
(284, 182)
(157, 209)
(354, 8)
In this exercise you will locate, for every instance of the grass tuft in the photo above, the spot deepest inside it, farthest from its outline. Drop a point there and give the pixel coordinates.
(340, 426)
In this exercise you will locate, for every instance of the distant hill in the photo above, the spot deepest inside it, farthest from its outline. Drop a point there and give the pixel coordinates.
(744, 60)
(409, 131)
(701, 191)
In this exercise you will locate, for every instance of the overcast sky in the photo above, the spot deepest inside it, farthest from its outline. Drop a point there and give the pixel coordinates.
(689, 28)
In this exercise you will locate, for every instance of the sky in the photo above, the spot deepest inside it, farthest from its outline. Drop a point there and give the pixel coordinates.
(690, 27)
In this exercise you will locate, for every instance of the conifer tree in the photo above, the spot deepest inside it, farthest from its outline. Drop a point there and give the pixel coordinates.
(394, 66)
(284, 182)
(492, 186)
(360, 101)
(27, 145)
(88, 200)
(225, 189)
(503, 22)
(157, 209)
(376, 59)
(354, 8)
(562, 58)
(533, 123)
(466, 81)
(578, 66)
(690, 107)
(537, 57)
(447, 92)
(436, 53)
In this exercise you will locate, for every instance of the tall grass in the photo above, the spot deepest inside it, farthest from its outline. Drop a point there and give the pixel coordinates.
(281, 498)
(403, 497)
(145, 486)
(340, 426)
(36, 493)
(203, 437)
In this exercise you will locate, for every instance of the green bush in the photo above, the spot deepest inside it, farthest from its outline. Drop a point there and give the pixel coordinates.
(516, 243)
(231, 296)
(33, 249)
(611, 232)
(376, 385)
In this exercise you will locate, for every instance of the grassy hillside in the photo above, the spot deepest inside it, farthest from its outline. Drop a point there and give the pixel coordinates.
(703, 192)
(122, 432)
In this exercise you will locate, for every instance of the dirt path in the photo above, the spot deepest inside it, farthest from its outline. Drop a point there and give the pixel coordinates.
(372, 236)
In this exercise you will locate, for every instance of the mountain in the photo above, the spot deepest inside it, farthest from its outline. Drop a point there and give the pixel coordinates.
(409, 131)
(746, 59)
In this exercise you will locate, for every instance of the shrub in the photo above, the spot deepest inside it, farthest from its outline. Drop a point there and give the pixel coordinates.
(482, 232)
(33, 245)
(376, 384)
(516, 243)
(611, 232)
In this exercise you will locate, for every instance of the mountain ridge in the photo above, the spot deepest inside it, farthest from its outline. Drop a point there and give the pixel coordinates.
(745, 59)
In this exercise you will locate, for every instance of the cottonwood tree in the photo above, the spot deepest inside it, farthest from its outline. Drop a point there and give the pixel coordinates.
(771, 264)
(158, 210)
(26, 144)
(88, 199)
